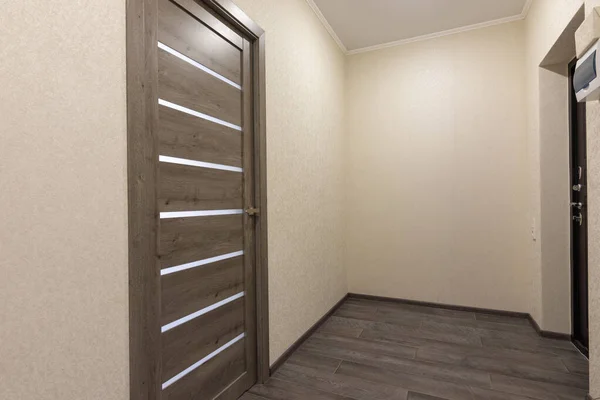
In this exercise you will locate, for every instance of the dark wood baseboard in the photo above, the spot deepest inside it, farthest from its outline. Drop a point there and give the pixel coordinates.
(440, 305)
(582, 349)
(515, 314)
(283, 358)
(548, 334)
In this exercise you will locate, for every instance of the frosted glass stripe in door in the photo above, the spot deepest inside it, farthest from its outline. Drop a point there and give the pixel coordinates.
(183, 267)
(203, 361)
(199, 313)
(201, 164)
(197, 65)
(177, 107)
(207, 213)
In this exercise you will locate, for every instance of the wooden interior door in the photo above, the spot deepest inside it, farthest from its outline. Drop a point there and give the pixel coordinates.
(196, 141)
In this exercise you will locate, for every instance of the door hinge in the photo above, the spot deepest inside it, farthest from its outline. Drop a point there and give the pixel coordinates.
(253, 212)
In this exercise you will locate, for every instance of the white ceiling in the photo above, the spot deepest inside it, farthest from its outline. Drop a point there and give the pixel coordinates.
(360, 25)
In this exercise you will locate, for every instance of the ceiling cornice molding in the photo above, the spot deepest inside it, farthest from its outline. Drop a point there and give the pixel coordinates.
(328, 27)
(321, 17)
(435, 35)
(526, 8)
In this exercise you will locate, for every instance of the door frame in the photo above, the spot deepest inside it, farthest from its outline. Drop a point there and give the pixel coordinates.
(142, 164)
(574, 293)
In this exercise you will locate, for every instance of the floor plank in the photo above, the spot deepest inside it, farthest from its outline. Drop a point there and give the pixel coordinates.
(316, 362)
(277, 389)
(251, 396)
(363, 353)
(419, 384)
(355, 388)
(368, 346)
(502, 319)
(377, 350)
(392, 330)
(576, 365)
(402, 307)
(538, 345)
(485, 394)
(344, 326)
(479, 325)
(536, 390)
(419, 396)
(525, 369)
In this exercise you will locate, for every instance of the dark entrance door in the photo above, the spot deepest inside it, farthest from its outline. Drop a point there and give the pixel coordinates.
(579, 239)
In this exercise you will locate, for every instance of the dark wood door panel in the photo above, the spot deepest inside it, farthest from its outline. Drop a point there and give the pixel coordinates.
(209, 379)
(196, 137)
(185, 34)
(185, 292)
(183, 84)
(184, 240)
(208, 18)
(185, 188)
(185, 344)
(238, 387)
(186, 136)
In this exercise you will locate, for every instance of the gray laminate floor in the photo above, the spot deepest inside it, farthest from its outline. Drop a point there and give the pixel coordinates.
(373, 350)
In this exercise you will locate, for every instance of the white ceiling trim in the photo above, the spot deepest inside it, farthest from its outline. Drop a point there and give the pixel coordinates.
(436, 34)
(328, 27)
(526, 8)
(337, 40)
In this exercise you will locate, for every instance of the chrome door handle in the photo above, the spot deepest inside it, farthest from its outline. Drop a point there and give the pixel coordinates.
(578, 218)
(577, 187)
(578, 206)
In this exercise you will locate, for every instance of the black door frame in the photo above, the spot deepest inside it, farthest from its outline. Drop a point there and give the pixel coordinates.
(142, 120)
(574, 118)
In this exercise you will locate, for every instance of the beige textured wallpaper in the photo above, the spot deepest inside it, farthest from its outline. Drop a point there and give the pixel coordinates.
(63, 235)
(437, 195)
(555, 233)
(305, 133)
